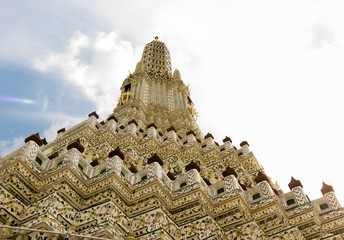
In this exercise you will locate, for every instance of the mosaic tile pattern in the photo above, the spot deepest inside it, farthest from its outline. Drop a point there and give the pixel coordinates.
(164, 179)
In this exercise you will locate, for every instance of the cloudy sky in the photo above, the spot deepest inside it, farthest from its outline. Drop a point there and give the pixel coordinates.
(269, 72)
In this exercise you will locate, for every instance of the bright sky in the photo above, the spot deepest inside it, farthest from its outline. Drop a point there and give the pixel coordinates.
(269, 72)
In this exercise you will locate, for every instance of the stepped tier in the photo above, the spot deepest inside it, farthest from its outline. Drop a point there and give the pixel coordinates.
(147, 172)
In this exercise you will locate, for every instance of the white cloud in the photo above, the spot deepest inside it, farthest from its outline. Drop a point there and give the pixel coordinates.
(68, 62)
(100, 79)
(51, 132)
(7, 147)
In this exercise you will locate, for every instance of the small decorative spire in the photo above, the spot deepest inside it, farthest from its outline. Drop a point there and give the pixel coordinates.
(77, 145)
(294, 183)
(229, 171)
(116, 152)
(93, 114)
(192, 165)
(191, 132)
(261, 177)
(171, 129)
(36, 138)
(156, 38)
(152, 125)
(61, 130)
(209, 135)
(177, 76)
(243, 143)
(155, 158)
(138, 67)
(112, 118)
(326, 188)
(133, 121)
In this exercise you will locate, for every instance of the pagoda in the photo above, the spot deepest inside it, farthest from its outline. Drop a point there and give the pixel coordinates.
(148, 172)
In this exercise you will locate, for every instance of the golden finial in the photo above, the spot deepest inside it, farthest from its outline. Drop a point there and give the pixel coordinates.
(156, 38)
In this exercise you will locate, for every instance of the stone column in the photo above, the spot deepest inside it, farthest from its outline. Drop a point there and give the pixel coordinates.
(154, 169)
(132, 128)
(328, 192)
(30, 150)
(193, 177)
(92, 119)
(60, 132)
(266, 189)
(231, 183)
(111, 125)
(209, 140)
(245, 148)
(299, 195)
(296, 187)
(115, 163)
(191, 139)
(151, 132)
(172, 136)
(73, 156)
(228, 143)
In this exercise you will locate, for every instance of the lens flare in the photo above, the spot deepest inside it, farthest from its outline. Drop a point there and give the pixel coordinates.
(28, 101)
(18, 100)
(41, 102)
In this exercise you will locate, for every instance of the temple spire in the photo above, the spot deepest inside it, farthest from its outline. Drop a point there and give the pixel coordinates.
(156, 60)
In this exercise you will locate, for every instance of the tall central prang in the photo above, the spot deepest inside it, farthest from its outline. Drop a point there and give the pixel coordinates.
(152, 95)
